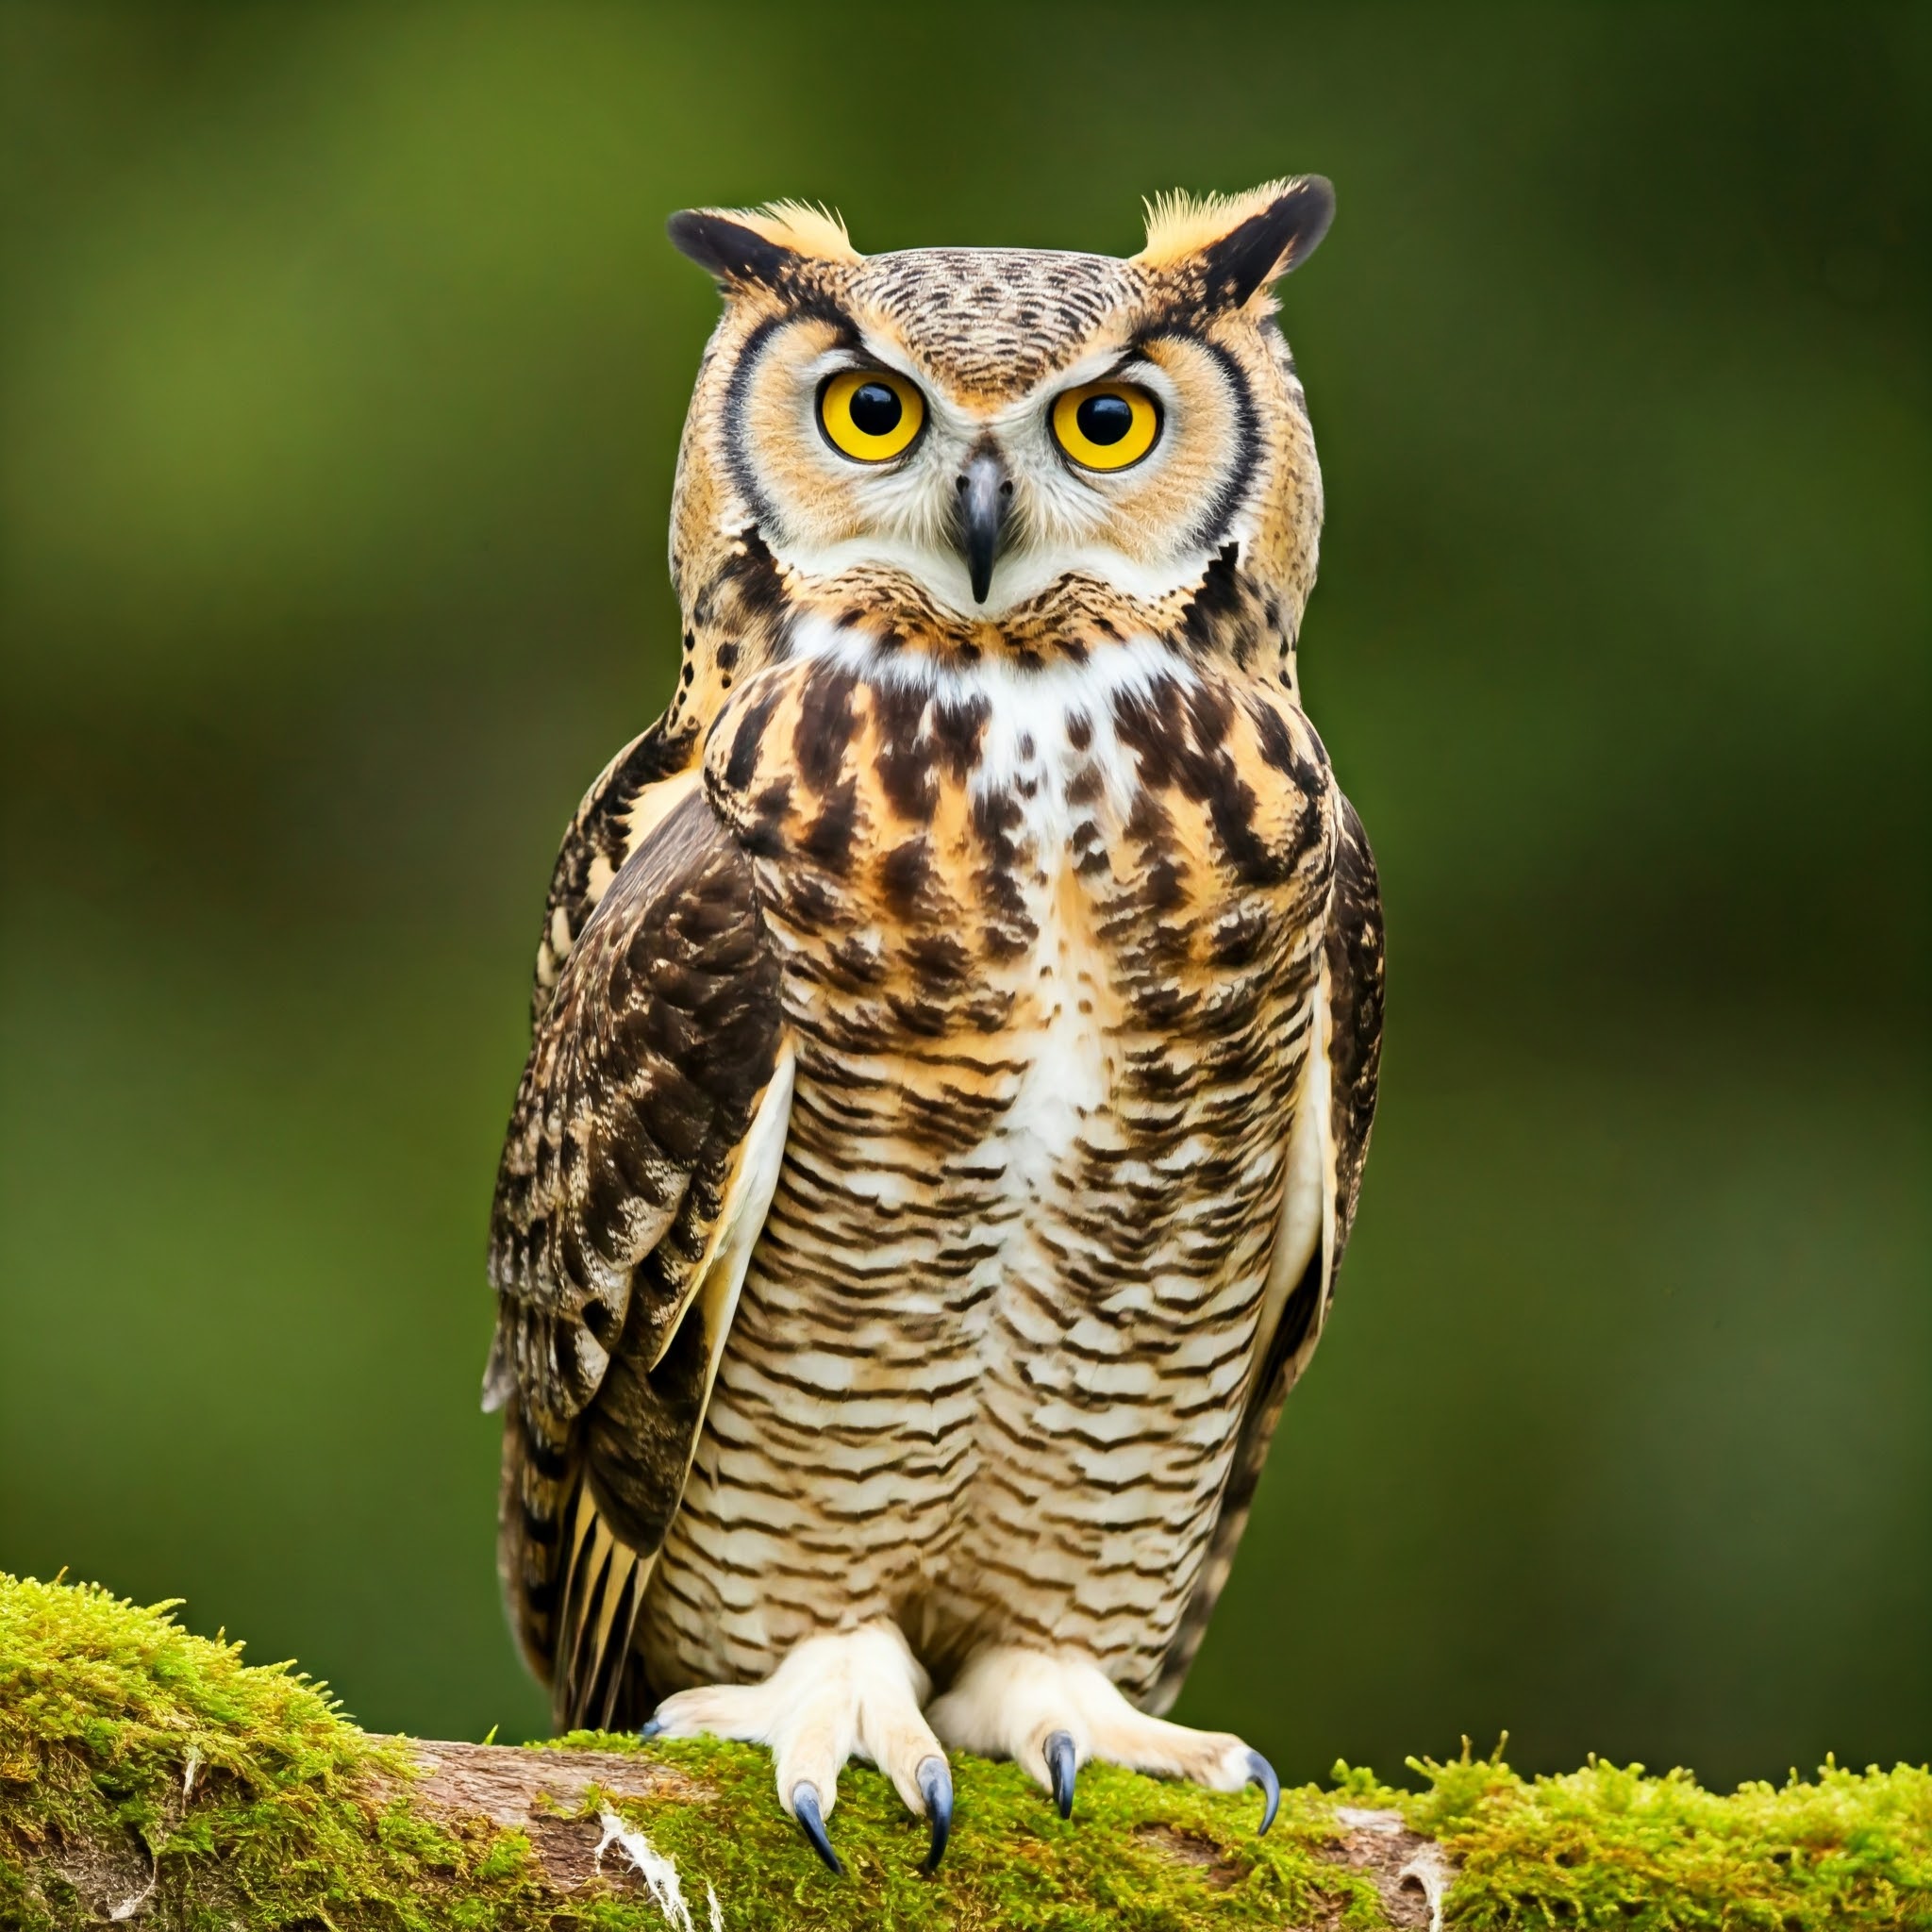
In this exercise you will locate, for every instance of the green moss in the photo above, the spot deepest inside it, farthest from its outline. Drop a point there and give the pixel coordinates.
(131, 1751)
(1609, 1846)
(292, 1817)
(1138, 1854)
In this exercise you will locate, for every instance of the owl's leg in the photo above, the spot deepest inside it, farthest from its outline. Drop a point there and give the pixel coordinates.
(855, 1694)
(1051, 1714)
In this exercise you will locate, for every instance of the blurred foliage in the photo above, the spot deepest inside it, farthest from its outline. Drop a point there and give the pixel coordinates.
(342, 364)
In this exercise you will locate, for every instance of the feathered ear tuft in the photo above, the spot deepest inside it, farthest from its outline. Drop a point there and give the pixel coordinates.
(761, 244)
(1239, 242)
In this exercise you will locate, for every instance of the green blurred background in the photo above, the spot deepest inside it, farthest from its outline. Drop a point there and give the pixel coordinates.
(344, 365)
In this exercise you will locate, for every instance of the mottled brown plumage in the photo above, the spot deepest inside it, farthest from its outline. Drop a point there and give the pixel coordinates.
(957, 1023)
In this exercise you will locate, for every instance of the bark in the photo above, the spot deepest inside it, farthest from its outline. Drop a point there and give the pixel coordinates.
(543, 1794)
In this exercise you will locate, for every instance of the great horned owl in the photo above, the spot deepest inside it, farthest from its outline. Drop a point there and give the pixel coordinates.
(956, 1024)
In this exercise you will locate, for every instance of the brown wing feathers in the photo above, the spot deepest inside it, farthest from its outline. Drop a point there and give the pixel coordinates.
(1356, 966)
(644, 1075)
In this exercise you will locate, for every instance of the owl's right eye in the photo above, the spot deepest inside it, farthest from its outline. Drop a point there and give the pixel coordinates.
(870, 415)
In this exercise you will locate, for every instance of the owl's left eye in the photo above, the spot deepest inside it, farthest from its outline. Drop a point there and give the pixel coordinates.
(1105, 425)
(870, 415)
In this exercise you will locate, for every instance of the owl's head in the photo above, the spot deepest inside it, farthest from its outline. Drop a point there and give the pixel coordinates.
(991, 448)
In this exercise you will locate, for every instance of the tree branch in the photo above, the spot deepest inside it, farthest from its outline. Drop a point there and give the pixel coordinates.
(564, 1801)
(149, 1777)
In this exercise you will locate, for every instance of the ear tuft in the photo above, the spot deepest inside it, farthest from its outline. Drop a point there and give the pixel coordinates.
(1239, 242)
(761, 244)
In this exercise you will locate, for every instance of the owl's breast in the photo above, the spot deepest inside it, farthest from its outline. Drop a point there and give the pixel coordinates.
(1056, 928)
(933, 839)
(1049, 944)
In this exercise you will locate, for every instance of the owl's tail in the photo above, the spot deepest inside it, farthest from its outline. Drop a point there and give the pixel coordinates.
(573, 1590)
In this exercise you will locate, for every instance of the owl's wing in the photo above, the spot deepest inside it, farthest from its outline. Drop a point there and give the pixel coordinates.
(637, 1168)
(1329, 1142)
(630, 795)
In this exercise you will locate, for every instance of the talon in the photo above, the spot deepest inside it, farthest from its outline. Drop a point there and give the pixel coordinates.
(1060, 1766)
(936, 1788)
(1262, 1772)
(651, 1728)
(804, 1808)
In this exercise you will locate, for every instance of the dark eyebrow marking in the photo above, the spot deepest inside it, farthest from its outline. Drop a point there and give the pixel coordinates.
(1173, 322)
(820, 308)
(1118, 370)
(864, 357)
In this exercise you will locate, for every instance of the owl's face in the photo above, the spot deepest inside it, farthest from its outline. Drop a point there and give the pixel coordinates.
(990, 442)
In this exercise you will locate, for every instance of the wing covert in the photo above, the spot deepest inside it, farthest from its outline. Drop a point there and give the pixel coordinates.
(629, 796)
(635, 1172)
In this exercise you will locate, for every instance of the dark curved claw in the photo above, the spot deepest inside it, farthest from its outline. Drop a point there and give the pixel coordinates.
(1062, 1768)
(936, 1788)
(804, 1808)
(1262, 1772)
(652, 1727)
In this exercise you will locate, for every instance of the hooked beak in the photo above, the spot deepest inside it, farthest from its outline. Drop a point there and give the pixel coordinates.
(985, 499)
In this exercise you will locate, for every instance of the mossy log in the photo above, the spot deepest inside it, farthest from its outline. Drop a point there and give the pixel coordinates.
(148, 1778)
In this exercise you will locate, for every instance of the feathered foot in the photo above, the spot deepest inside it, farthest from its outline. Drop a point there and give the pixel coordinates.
(853, 1695)
(1051, 1714)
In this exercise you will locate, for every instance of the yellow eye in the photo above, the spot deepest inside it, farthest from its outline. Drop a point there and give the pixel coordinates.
(1107, 426)
(870, 414)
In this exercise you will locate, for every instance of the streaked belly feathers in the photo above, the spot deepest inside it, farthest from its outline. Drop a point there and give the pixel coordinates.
(1049, 950)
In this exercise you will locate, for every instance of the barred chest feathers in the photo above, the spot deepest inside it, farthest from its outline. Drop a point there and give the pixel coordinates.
(1050, 945)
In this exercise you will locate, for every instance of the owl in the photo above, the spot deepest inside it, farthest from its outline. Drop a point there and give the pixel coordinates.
(956, 1026)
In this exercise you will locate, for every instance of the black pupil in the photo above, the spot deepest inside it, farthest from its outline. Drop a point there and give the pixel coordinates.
(1105, 419)
(875, 410)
